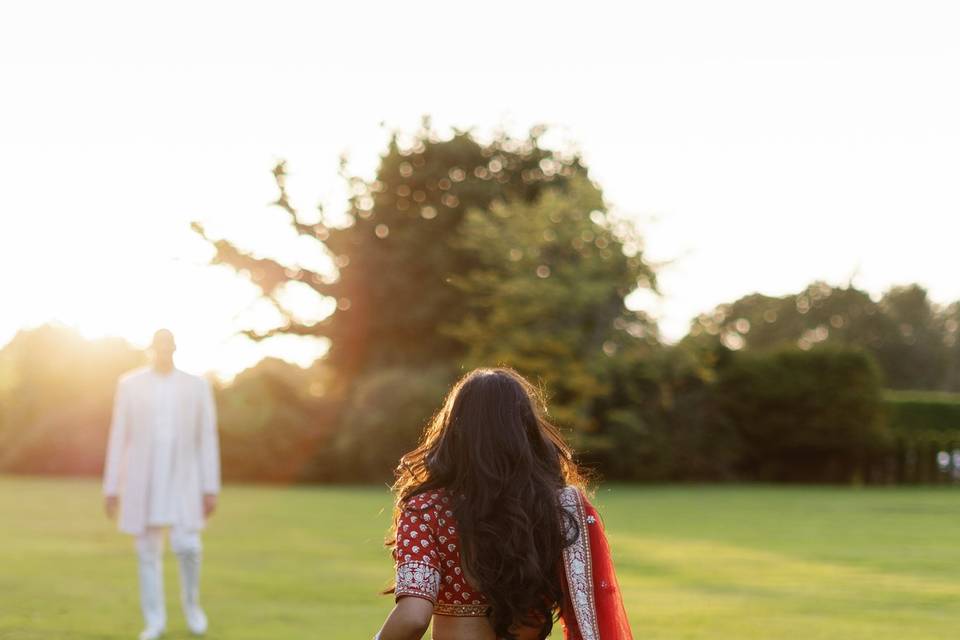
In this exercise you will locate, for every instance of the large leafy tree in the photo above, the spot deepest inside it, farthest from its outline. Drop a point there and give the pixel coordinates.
(397, 253)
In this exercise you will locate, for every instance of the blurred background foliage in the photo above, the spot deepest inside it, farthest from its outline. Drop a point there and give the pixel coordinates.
(460, 253)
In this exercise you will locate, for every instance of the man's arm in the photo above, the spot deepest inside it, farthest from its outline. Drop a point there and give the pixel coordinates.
(209, 449)
(116, 443)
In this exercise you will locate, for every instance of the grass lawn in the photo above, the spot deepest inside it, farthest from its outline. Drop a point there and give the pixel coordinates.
(695, 562)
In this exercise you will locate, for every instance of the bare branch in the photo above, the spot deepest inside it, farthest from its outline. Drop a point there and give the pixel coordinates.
(266, 273)
(316, 231)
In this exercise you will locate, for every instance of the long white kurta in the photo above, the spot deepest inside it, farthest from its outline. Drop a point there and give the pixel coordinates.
(163, 453)
(161, 509)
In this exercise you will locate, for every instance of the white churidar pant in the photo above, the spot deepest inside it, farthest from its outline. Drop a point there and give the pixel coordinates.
(187, 546)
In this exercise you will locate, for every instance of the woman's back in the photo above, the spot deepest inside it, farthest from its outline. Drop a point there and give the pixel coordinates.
(474, 628)
(428, 565)
(484, 537)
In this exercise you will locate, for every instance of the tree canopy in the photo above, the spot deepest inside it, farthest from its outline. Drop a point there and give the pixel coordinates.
(470, 253)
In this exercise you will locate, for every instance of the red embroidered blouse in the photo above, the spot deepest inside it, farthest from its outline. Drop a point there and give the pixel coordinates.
(427, 557)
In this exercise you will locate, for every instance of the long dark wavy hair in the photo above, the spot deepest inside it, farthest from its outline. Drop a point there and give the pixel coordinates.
(491, 447)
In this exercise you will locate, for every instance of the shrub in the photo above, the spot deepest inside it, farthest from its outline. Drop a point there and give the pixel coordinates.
(383, 419)
(921, 424)
(800, 415)
(271, 424)
(660, 422)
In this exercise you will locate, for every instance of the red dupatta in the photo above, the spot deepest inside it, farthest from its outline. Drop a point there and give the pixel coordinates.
(593, 607)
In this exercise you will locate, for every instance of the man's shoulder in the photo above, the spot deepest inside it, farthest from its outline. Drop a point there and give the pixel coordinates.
(193, 379)
(133, 375)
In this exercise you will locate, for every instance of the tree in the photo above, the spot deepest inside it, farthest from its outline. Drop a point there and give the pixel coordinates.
(56, 395)
(908, 335)
(913, 351)
(463, 253)
(395, 256)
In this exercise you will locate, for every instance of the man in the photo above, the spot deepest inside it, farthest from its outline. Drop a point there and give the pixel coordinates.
(162, 472)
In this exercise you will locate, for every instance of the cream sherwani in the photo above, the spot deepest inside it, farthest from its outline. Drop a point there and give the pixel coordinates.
(162, 457)
(163, 452)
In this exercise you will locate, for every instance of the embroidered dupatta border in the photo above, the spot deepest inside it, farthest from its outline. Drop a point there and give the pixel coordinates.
(578, 566)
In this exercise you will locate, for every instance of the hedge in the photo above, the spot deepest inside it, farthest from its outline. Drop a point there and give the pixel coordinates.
(920, 425)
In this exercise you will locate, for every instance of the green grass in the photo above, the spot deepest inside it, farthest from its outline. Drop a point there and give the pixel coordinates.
(694, 562)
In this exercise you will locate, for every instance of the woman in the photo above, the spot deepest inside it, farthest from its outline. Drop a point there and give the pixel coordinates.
(493, 537)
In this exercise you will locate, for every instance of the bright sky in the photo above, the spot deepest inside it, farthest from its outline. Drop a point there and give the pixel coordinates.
(761, 145)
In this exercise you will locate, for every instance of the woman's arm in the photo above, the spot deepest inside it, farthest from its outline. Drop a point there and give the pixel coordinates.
(408, 620)
(417, 565)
